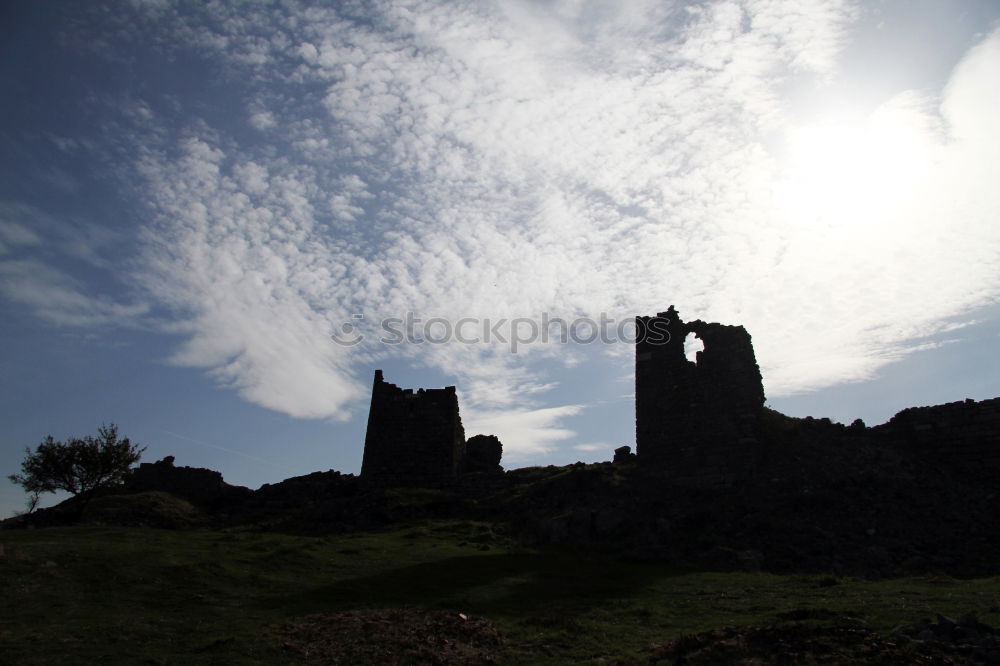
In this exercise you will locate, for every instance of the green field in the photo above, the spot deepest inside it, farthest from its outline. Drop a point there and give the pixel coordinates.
(114, 595)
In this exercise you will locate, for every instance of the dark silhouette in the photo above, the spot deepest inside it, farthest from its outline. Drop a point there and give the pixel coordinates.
(413, 438)
(80, 466)
(700, 420)
(202, 487)
(483, 453)
(416, 439)
(718, 479)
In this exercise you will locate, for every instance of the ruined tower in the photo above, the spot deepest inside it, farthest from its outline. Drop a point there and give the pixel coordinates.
(414, 439)
(699, 421)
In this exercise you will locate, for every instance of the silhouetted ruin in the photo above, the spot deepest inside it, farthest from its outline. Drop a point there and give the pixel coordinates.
(963, 432)
(700, 420)
(623, 454)
(413, 438)
(204, 487)
(416, 439)
(716, 478)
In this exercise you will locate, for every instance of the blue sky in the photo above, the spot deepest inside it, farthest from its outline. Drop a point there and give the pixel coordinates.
(197, 196)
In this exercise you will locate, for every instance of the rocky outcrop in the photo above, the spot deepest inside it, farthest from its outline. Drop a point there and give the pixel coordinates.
(623, 454)
(483, 453)
(966, 636)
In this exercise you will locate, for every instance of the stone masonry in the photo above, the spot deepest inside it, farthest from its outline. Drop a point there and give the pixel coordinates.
(697, 421)
(957, 432)
(204, 487)
(414, 439)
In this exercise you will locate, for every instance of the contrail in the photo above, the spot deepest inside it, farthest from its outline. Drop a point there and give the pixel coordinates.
(232, 451)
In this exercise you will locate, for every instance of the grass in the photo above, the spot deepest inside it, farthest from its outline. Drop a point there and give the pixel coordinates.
(137, 595)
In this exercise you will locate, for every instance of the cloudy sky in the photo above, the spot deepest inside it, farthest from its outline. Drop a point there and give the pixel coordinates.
(214, 215)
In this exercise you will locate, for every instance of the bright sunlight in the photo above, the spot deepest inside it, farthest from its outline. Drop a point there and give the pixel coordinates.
(857, 174)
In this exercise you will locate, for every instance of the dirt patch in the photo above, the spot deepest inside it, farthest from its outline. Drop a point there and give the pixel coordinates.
(797, 644)
(392, 636)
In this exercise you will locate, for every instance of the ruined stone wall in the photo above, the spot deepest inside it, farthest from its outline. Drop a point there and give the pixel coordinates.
(700, 422)
(201, 486)
(414, 439)
(965, 432)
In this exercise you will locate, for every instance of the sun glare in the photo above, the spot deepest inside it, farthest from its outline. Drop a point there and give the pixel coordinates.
(854, 174)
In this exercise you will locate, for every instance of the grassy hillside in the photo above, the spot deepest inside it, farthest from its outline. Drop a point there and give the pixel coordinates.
(132, 595)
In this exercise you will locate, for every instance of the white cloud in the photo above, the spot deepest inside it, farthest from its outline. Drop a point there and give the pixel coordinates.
(29, 241)
(592, 448)
(973, 92)
(236, 256)
(57, 298)
(524, 432)
(528, 178)
(12, 233)
(570, 158)
(262, 120)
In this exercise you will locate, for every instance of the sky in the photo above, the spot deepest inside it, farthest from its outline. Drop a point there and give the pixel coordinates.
(217, 219)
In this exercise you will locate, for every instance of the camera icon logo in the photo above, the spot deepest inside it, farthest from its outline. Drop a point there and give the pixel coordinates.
(349, 335)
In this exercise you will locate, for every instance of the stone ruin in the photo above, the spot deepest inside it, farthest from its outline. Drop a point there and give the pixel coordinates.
(204, 487)
(700, 420)
(717, 478)
(966, 432)
(416, 439)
